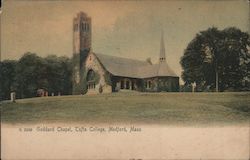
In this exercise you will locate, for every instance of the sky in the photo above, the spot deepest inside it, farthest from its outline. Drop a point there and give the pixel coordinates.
(129, 29)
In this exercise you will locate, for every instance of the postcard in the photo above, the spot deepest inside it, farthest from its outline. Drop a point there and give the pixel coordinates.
(125, 79)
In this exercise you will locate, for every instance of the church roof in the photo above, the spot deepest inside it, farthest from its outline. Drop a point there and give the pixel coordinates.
(126, 67)
(157, 70)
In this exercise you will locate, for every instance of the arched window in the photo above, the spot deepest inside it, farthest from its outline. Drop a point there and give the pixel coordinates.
(87, 27)
(127, 84)
(91, 79)
(149, 84)
(122, 84)
(82, 26)
(90, 75)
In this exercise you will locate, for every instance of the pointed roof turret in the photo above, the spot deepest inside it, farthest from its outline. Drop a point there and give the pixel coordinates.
(163, 68)
(162, 57)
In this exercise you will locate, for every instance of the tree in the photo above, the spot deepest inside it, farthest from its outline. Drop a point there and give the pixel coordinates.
(219, 59)
(236, 59)
(30, 75)
(58, 74)
(7, 74)
(31, 72)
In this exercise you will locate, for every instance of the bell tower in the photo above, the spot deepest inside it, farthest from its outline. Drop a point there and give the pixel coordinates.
(81, 47)
(81, 33)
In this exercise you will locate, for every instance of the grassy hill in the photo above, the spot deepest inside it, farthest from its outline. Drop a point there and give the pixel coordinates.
(145, 108)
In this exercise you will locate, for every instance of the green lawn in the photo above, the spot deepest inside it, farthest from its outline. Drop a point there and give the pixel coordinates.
(145, 108)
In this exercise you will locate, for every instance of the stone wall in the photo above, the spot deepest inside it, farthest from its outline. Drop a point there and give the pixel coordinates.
(168, 84)
(159, 84)
(150, 84)
(102, 86)
(79, 73)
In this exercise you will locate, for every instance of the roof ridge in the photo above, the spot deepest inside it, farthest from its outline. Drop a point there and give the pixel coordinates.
(133, 68)
(121, 57)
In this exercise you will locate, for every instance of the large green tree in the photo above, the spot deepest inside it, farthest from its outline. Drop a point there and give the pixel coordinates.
(219, 59)
(30, 75)
(51, 73)
(32, 72)
(58, 74)
(7, 78)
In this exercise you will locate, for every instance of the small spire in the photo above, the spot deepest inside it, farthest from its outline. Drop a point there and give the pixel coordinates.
(162, 57)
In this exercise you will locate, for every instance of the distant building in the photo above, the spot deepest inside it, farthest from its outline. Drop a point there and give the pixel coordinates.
(42, 93)
(99, 73)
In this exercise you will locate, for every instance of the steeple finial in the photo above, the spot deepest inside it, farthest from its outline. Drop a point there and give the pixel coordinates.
(162, 57)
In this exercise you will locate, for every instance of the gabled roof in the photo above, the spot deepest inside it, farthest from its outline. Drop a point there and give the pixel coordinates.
(157, 70)
(126, 67)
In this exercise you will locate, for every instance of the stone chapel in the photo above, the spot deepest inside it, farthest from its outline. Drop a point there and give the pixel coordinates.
(96, 73)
